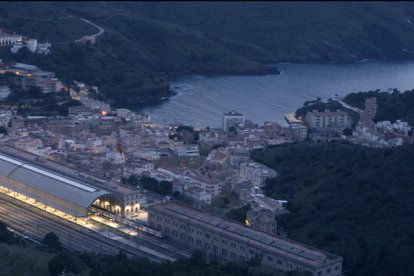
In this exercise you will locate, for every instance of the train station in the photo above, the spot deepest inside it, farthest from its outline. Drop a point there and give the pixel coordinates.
(54, 190)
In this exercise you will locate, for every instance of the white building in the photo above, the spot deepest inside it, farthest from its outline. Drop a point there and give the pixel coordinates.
(180, 149)
(32, 45)
(43, 48)
(256, 173)
(9, 39)
(116, 157)
(4, 92)
(16, 47)
(5, 117)
(299, 132)
(232, 119)
(328, 119)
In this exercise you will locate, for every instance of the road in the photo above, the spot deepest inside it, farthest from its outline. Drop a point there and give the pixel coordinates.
(100, 30)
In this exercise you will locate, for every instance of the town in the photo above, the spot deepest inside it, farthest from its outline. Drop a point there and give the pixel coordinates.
(152, 178)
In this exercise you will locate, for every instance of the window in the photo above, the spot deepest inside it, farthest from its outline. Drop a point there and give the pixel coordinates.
(208, 236)
(251, 251)
(337, 267)
(270, 259)
(319, 273)
(328, 270)
(224, 252)
(182, 236)
(279, 262)
(242, 248)
(233, 245)
(215, 248)
(233, 255)
(174, 233)
(198, 242)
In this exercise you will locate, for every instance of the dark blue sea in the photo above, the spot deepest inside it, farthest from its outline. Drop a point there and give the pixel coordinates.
(201, 101)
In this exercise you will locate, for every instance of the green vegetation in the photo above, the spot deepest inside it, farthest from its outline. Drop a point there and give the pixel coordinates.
(296, 32)
(239, 214)
(163, 187)
(330, 105)
(68, 261)
(351, 200)
(51, 240)
(145, 45)
(22, 260)
(132, 61)
(121, 265)
(35, 103)
(3, 130)
(391, 106)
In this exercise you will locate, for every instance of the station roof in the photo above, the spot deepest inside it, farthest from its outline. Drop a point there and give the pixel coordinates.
(278, 245)
(48, 182)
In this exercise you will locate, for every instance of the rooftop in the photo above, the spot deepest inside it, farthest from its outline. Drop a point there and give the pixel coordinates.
(300, 252)
(232, 113)
(46, 181)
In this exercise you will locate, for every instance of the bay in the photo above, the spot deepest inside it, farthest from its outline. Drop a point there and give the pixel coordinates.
(201, 101)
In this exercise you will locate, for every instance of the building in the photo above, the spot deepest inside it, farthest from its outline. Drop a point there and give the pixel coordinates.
(232, 119)
(16, 46)
(182, 150)
(297, 129)
(225, 240)
(328, 119)
(32, 45)
(5, 117)
(65, 194)
(262, 220)
(236, 156)
(9, 39)
(299, 132)
(256, 173)
(4, 92)
(43, 48)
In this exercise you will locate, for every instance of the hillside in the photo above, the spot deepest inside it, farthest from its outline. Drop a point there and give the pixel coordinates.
(147, 44)
(298, 31)
(350, 200)
(391, 106)
(132, 62)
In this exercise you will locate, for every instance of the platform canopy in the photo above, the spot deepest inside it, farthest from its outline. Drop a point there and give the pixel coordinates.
(71, 196)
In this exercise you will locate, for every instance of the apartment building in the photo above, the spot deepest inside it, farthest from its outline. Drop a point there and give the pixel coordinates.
(232, 119)
(256, 173)
(225, 240)
(328, 119)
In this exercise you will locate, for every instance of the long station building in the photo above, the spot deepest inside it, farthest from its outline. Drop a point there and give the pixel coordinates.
(223, 239)
(66, 194)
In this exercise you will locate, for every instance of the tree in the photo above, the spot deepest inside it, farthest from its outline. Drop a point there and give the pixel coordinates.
(132, 180)
(149, 183)
(5, 234)
(165, 187)
(3, 130)
(51, 240)
(347, 131)
(35, 92)
(66, 261)
(239, 214)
